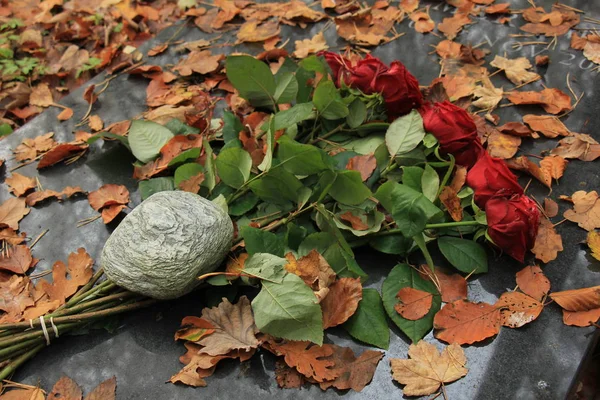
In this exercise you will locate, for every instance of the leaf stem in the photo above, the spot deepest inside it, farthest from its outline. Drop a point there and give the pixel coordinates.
(17, 362)
(446, 176)
(420, 241)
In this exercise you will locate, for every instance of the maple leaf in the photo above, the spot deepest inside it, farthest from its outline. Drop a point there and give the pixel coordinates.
(452, 286)
(532, 281)
(365, 164)
(515, 69)
(352, 372)
(20, 184)
(312, 361)
(65, 389)
(488, 97)
(548, 125)
(80, 271)
(234, 328)
(288, 377)
(341, 302)
(413, 304)
(310, 46)
(12, 211)
(427, 368)
(578, 145)
(62, 152)
(17, 260)
(104, 391)
(107, 195)
(553, 100)
(463, 322)
(503, 146)
(586, 210)
(518, 309)
(450, 200)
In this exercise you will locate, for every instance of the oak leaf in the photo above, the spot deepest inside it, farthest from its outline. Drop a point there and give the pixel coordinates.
(20, 184)
(29, 149)
(548, 125)
(352, 372)
(586, 210)
(341, 302)
(532, 281)
(312, 361)
(427, 368)
(464, 322)
(104, 391)
(365, 164)
(65, 389)
(79, 268)
(553, 100)
(452, 286)
(62, 152)
(310, 46)
(15, 297)
(515, 69)
(200, 365)
(548, 243)
(450, 200)
(503, 146)
(234, 328)
(11, 237)
(288, 377)
(413, 304)
(17, 259)
(12, 211)
(518, 309)
(107, 195)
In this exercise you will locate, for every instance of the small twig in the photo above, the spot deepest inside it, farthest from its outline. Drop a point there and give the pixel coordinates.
(37, 239)
(84, 222)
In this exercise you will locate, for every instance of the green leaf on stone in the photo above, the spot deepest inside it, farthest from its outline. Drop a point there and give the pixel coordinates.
(348, 188)
(405, 133)
(357, 113)
(288, 310)
(146, 138)
(328, 101)
(266, 266)
(430, 183)
(252, 78)
(465, 255)
(155, 185)
(233, 165)
(186, 171)
(259, 241)
(302, 159)
(286, 88)
(401, 276)
(369, 323)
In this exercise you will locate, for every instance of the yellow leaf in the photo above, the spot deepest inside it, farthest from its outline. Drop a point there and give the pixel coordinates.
(593, 241)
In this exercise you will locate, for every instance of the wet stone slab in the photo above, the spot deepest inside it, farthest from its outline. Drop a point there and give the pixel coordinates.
(538, 361)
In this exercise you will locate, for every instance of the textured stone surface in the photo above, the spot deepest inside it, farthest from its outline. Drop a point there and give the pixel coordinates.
(166, 242)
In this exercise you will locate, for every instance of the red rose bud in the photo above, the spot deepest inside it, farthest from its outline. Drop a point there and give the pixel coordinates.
(513, 224)
(489, 177)
(453, 127)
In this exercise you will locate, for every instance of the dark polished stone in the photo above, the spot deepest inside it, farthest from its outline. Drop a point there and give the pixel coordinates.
(538, 361)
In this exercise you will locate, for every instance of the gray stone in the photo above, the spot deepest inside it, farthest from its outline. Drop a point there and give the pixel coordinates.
(165, 243)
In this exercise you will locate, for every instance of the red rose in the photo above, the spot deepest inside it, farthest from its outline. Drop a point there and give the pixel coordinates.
(398, 87)
(513, 224)
(454, 129)
(489, 177)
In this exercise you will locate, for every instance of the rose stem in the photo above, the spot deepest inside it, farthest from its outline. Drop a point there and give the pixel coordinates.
(16, 363)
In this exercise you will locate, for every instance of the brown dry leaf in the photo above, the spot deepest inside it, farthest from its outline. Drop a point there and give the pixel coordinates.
(234, 328)
(584, 299)
(547, 125)
(41, 96)
(591, 51)
(413, 304)
(235, 265)
(355, 220)
(198, 366)
(553, 166)
(488, 97)
(62, 152)
(548, 243)
(15, 297)
(352, 372)
(20, 184)
(65, 389)
(312, 361)
(523, 163)
(427, 368)
(503, 146)
(451, 26)
(365, 164)
(36, 197)
(110, 212)
(95, 123)
(341, 302)
(24, 394)
(12, 211)
(450, 200)
(554, 101)
(192, 184)
(310, 46)
(578, 145)
(108, 195)
(464, 322)
(423, 22)
(288, 377)
(593, 242)
(201, 62)
(104, 391)
(158, 49)
(253, 31)
(500, 8)
(532, 281)
(29, 149)
(11, 237)
(518, 309)
(581, 318)
(556, 23)
(409, 6)
(550, 208)
(452, 286)
(515, 69)
(459, 178)
(586, 210)
(448, 49)
(516, 129)
(17, 259)
(314, 271)
(65, 114)
(368, 27)
(80, 271)
(193, 329)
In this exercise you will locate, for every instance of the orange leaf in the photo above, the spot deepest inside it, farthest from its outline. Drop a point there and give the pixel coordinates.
(450, 200)
(584, 299)
(365, 164)
(515, 129)
(532, 281)
(593, 242)
(192, 184)
(459, 178)
(288, 377)
(65, 114)
(503, 146)
(194, 329)
(500, 8)
(252, 31)
(414, 304)
(548, 243)
(41, 96)
(586, 210)
(314, 271)
(463, 322)
(515, 69)
(29, 149)
(518, 309)
(17, 260)
(578, 145)
(80, 271)
(310, 46)
(12, 211)
(158, 49)
(33, 198)
(550, 208)
(553, 166)
(110, 212)
(554, 101)
(16, 298)
(450, 27)
(312, 361)
(581, 318)
(356, 222)
(20, 184)
(95, 123)
(353, 372)
(107, 195)
(61, 152)
(547, 125)
(452, 286)
(423, 22)
(523, 163)
(200, 62)
(104, 391)
(65, 389)
(341, 302)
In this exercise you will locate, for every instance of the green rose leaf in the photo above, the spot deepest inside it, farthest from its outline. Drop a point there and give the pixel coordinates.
(146, 138)
(390, 192)
(179, 128)
(232, 127)
(288, 310)
(278, 186)
(328, 101)
(304, 88)
(408, 214)
(357, 113)
(348, 188)
(465, 255)
(187, 155)
(252, 78)
(243, 204)
(266, 267)
(392, 244)
(430, 183)
(155, 185)
(186, 171)
(405, 133)
(366, 145)
(401, 276)
(259, 241)
(234, 166)
(210, 173)
(369, 323)
(286, 88)
(267, 161)
(412, 177)
(296, 114)
(302, 159)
